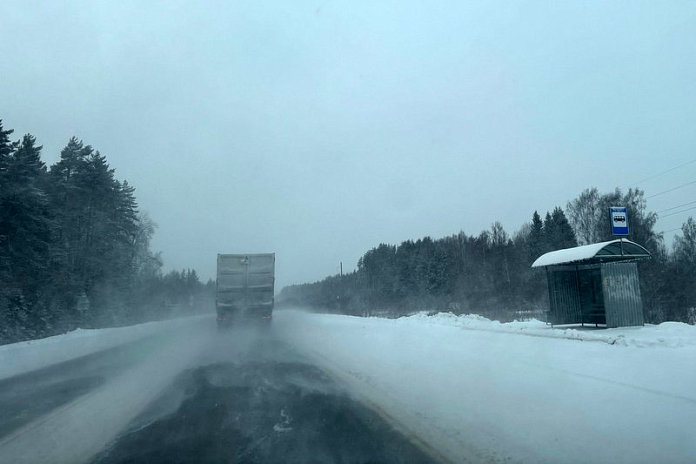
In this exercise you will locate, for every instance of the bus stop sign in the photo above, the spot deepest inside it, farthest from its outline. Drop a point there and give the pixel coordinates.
(619, 220)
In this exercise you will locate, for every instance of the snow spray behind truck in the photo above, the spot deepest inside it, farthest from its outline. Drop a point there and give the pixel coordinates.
(245, 288)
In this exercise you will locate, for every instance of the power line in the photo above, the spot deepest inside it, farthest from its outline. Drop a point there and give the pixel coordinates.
(664, 172)
(675, 188)
(670, 230)
(675, 207)
(678, 212)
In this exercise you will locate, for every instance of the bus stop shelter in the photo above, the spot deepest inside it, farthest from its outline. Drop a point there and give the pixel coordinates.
(595, 284)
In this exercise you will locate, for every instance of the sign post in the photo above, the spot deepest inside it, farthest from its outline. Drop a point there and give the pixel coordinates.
(619, 220)
(618, 216)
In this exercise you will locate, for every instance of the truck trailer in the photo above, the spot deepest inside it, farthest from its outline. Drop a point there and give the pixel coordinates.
(244, 288)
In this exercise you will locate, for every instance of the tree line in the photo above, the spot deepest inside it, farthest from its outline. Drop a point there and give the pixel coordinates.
(74, 248)
(490, 273)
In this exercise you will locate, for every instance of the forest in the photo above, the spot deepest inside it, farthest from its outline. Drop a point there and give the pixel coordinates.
(75, 253)
(75, 249)
(489, 274)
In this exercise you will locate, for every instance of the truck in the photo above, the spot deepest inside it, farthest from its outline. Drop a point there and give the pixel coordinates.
(244, 288)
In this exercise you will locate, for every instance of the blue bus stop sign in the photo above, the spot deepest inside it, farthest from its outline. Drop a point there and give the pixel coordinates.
(619, 220)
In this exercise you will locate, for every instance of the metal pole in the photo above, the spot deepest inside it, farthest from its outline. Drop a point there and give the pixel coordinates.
(246, 285)
(579, 296)
(551, 290)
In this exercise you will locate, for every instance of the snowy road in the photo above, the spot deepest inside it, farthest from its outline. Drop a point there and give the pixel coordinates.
(266, 406)
(94, 397)
(481, 391)
(25, 398)
(190, 394)
(344, 389)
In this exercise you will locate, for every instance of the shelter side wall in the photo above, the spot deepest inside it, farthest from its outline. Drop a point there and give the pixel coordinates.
(591, 295)
(621, 290)
(564, 297)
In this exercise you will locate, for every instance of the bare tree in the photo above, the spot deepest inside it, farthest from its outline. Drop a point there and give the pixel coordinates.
(584, 215)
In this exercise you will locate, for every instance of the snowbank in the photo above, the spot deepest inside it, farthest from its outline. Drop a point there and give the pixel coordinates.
(667, 334)
(473, 391)
(22, 357)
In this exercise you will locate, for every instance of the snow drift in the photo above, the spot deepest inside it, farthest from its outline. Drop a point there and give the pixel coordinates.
(477, 390)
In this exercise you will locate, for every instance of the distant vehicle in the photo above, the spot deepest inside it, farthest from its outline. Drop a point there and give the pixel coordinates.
(245, 288)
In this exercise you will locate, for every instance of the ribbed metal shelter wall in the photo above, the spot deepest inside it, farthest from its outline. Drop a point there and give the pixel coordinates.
(564, 297)
(621, 289)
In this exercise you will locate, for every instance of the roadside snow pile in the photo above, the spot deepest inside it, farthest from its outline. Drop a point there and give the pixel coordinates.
(667, 334)
(486, 394)
(18, 358)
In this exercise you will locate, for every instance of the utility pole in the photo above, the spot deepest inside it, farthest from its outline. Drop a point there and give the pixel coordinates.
(341, 268)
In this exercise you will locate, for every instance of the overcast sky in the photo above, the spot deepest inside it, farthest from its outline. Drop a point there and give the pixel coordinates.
(319, 129)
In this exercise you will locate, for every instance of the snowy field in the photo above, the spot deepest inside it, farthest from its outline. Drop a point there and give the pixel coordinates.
(468, 388)
(479, 390)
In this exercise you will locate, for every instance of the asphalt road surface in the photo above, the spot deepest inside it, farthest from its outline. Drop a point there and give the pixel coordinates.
(248, 399)
(28, 397)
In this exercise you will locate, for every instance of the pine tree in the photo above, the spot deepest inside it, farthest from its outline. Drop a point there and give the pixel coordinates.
(96, 180)
(564, 234)
(66, 200)
(558, 234)
(549, 233)
(536, 238)
(66, 196)
(25, 214)
(7, 147)
(25, 228)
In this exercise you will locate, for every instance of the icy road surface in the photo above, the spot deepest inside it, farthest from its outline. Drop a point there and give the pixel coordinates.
(344, 389)
(265, 405)
(189, 394)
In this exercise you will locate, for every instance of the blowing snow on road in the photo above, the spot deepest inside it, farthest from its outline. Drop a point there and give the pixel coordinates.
(329, 388)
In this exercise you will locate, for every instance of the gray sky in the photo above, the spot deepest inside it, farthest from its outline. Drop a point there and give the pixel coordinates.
(320, 129)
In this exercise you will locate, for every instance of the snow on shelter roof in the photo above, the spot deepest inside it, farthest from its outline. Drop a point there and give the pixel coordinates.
(613, 250)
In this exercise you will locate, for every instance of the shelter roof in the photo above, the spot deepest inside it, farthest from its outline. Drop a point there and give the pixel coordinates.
(613, 250)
